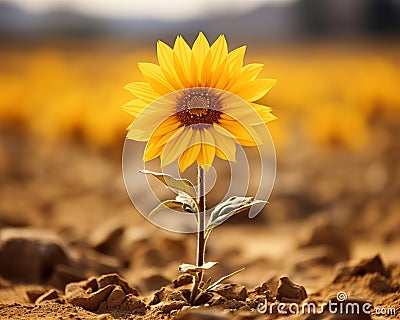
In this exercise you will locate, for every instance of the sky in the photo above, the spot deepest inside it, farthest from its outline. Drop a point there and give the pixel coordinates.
(158, 9)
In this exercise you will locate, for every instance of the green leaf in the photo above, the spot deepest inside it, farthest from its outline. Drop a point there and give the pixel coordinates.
(191, 268)
(173, 204)
(174, 184)
(216, 283)
(182, 202)
(229, 208)
(188, 203)
(203, 288)
(206, 284)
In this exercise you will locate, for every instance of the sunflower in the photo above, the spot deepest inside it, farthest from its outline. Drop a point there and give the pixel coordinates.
(197, 103)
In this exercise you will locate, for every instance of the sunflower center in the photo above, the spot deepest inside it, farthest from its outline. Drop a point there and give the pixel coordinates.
(198, 106)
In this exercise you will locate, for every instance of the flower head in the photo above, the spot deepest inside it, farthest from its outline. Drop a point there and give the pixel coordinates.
(197, 103)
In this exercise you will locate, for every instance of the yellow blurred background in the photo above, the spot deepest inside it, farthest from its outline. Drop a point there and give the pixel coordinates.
(328, 92)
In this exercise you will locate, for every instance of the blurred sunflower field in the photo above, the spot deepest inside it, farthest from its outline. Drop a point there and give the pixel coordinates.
(329, 94)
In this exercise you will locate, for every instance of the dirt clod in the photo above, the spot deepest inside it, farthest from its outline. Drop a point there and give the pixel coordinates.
(232, 291)
(43, 249)
(89, 301)
(379, 284)
(167, 307)
(114, 278)
(289, 291)
(104, 293)
(166, 295)
(34, 294)
(232, 304)
(372, 265)
(116, 297)
(182, 280)
(49, 295)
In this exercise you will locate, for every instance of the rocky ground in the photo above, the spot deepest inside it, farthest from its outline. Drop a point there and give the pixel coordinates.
(73, 247)
(47, 281)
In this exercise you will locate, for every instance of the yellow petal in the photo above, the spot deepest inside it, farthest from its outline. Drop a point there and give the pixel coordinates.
(259, 107)
(149, 119)
(207, 153)
(234, 65)
(199, 52)
(176, 146)
(152, 151)
(169, 124)
(247, 74)
(142, 91)
(220, 154)
(134, 107)
(248, 117)
(155, 78)
(194, 79)
(251, 71)
(246, 143)
(156, 144)
(254, 90)
(182, 56)
(190, 155)
(221, 76)
(165, 57)
(206, 156)
(264, 112)
(240, 110)
(239, 131)
(219, 52)
(205, 80)
(226, 148)
(186, 158)
(235, 59)
(243, 138)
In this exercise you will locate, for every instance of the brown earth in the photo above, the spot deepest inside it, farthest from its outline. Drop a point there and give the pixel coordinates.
(68, 227)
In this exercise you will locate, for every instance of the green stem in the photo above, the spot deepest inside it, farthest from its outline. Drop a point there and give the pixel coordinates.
(202, 213)
(200, 232)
